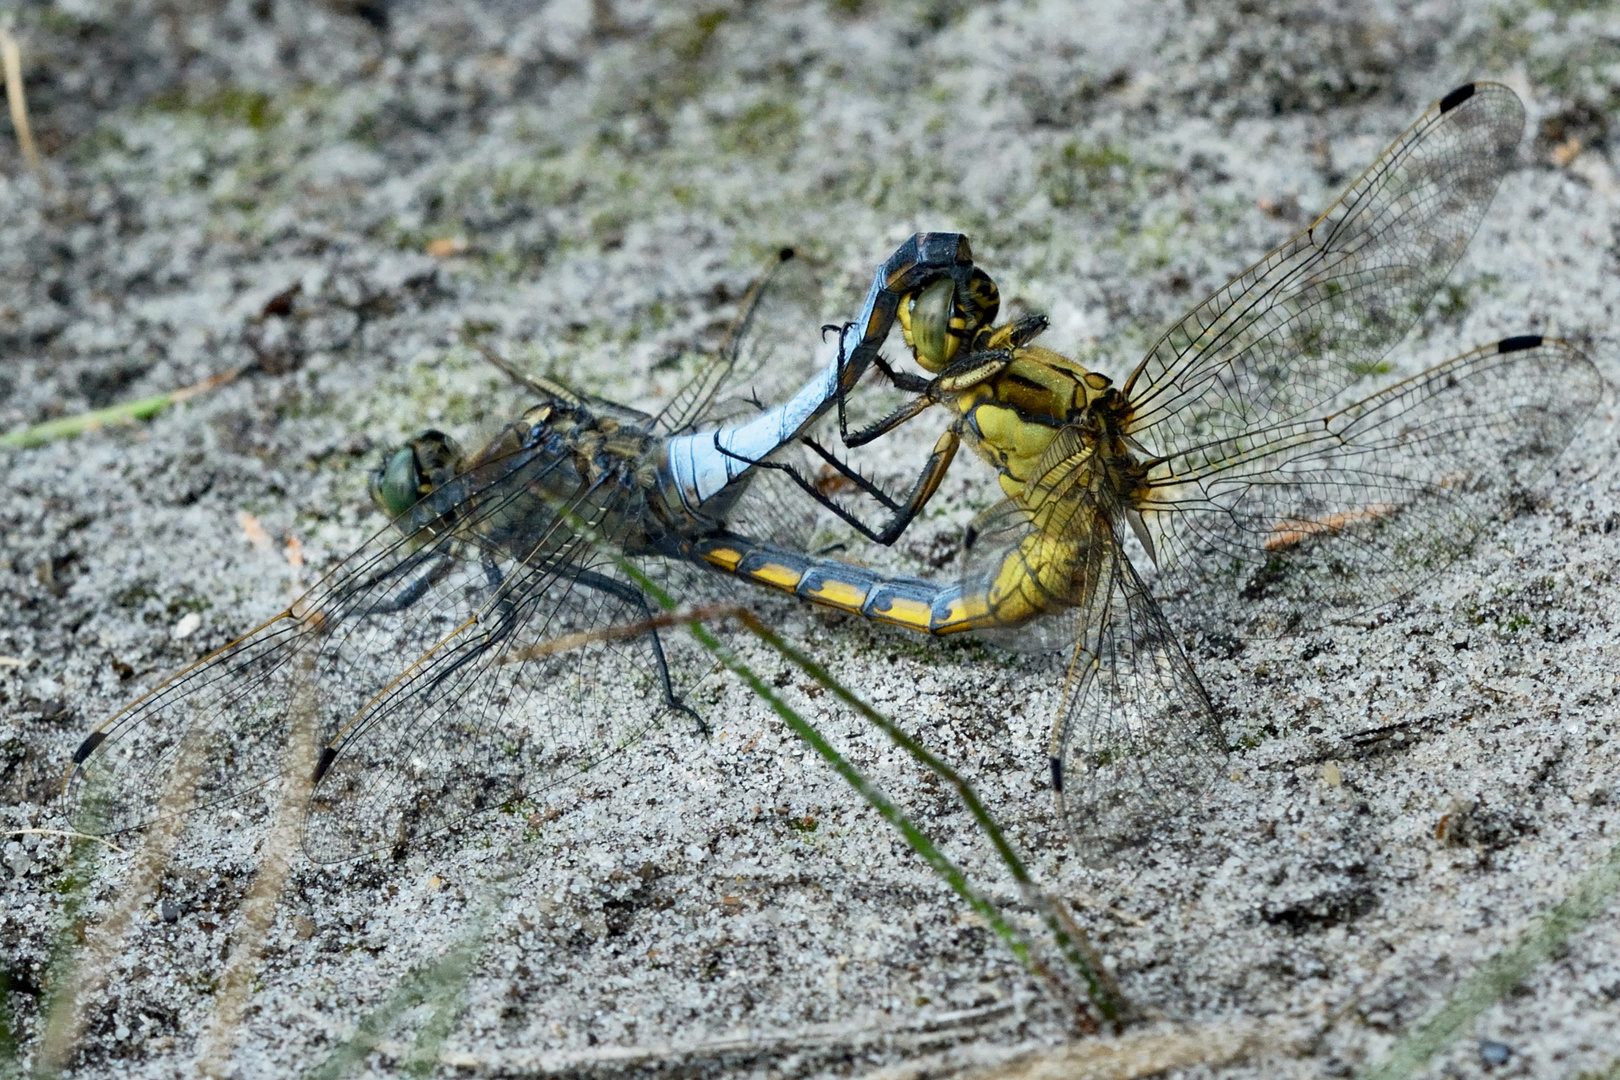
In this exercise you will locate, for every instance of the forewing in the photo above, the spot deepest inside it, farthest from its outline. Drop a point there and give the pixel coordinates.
(488, 715)
(1136, 740)
(388, 611)
(1293, 331)
(1334, 514)
(770, 349)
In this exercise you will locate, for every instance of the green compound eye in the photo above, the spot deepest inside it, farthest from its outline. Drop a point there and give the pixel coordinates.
(421, 466)
(931, 312)
(397, 485)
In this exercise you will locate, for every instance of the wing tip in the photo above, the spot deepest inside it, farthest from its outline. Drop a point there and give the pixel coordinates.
(88, 747)
(1520, 343)
(1457, 97)
(1056, 764)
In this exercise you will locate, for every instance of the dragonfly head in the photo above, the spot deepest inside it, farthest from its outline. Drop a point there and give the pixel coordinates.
(414, 470)
(937, 319)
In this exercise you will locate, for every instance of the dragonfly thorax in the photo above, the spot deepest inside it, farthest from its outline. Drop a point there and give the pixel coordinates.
(1122, 464)
(1091, 460)
(603, 462)
(1012, 418)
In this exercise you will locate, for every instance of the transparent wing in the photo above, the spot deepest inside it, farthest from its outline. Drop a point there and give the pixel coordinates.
(1292, 332)
(424, 613)
(1339, 512)
(545, 389)
(1136, 738)
(479, 721)
(1008, 570)
(769, 350)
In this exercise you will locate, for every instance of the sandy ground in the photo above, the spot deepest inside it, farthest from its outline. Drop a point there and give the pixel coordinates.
(593, 185)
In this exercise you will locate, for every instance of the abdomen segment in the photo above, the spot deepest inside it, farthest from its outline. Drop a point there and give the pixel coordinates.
(913, 603)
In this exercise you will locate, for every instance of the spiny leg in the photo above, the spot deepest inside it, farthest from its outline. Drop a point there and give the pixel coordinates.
(414, 591)
(901, 512)
(633, 596)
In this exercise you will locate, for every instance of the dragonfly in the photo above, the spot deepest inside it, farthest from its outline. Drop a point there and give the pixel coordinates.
(400, 657)
(1248, 474)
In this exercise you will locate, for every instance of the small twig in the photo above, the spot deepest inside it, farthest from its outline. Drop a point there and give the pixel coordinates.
(130, 411)
(11, 59)
(69, 833)
(911, 1032)
(1147, 1053)
(621, 631)
(264, 895)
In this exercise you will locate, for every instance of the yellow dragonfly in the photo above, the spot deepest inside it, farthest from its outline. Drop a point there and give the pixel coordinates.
(1265, 481)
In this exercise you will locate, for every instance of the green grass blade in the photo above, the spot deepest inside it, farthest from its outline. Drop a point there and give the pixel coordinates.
(874, 796)
(1067, 936)
(62, 971)
(127, 413)
(442, 985)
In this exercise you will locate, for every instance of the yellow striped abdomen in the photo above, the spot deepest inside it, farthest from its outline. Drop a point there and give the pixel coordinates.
(1039, 576)
(912, 603)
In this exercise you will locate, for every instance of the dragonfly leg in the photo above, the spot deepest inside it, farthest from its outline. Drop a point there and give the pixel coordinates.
(853, 475)
(900, 415)
(632, 596)
(413, 591)
(494, 577)
(903, 511)
(960, 376)
(908, 381)
(992, 355)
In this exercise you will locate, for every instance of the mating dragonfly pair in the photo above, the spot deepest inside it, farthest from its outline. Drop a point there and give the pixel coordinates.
(1245, 469)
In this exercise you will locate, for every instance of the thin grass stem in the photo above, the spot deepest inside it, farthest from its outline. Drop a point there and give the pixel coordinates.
(442, 985)
(264, 894)
(1541, 942)
(127, 413)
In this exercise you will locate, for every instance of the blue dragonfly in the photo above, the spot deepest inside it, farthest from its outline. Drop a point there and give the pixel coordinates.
(401, 656)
